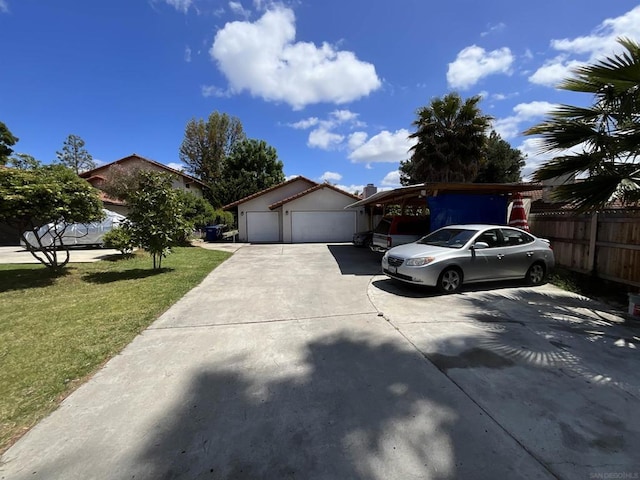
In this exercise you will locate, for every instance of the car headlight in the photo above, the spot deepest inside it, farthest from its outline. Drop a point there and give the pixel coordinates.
(418, 262)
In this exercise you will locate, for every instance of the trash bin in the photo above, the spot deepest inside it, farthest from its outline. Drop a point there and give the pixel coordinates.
(213, 233)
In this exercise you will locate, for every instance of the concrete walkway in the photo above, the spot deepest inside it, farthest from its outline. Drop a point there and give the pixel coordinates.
(297, 361)
(76, 255)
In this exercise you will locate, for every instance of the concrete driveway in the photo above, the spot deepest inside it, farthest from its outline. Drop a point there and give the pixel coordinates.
(298, 361)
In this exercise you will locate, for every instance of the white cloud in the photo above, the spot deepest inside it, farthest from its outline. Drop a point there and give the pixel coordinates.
(510, 127)
(263, 58)
(238, 9)
(290, 177)
(601, 42)
(494, 29)
(187, 54)
(384, 147)
(4, 6)
(213, 91)
(176, 166)
(306, 123)
(351, 188)
(344, 115)
(554, 71)
(357, 139)
(330, 177)
(180, 5)
(474, 63)
(324, 139)
(535, 157)
(391, 179)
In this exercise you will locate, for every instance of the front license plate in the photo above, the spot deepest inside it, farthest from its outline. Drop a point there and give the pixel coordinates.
(393, 269)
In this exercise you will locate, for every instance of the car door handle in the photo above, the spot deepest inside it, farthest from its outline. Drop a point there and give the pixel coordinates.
(500, 255)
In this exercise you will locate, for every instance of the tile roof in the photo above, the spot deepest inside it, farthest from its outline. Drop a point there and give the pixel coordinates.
(266, 190)
(94, 172)
(316, 187)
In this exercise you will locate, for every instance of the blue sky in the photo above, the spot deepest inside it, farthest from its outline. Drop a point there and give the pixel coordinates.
(332, 85)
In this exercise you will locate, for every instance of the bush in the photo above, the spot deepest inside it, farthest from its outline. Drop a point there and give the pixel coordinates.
(120, 239)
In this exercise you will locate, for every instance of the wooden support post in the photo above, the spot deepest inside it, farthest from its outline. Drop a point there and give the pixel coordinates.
(593, 236)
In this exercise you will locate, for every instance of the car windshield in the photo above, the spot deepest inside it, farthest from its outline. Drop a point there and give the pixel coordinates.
(448, 237)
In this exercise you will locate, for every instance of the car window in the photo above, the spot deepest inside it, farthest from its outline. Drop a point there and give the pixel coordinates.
(490, 237)
(412, 227)
(448, 237)
(515, 237)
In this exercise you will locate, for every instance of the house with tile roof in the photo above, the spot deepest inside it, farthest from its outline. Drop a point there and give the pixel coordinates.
(98, 176)
(298, 211)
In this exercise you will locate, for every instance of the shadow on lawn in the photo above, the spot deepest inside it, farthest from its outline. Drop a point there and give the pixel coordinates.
(133, 274)
(22, 279)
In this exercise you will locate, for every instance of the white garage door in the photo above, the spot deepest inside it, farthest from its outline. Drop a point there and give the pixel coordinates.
(322, 226)
(263, 227)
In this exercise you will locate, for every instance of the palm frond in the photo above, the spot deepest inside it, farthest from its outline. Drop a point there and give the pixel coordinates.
(565, 165)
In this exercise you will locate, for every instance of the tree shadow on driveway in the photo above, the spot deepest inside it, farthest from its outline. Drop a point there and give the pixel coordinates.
(361, 411)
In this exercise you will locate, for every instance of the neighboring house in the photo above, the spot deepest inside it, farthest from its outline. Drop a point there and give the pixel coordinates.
(298, 211)
(98, 176)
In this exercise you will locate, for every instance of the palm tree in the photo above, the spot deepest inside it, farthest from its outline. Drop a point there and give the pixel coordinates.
(451, 136)
(605, 136)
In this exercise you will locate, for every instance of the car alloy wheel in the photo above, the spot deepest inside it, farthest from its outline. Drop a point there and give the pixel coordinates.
(536, 274)
(450, 281)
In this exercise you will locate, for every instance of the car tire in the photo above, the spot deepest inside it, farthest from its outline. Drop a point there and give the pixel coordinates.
(450, 280)
(536, 275)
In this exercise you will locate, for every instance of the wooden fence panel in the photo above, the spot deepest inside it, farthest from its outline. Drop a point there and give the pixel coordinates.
(606, 244)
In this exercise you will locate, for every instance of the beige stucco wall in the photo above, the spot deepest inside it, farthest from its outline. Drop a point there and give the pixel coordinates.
(261, 204)
(324, 199)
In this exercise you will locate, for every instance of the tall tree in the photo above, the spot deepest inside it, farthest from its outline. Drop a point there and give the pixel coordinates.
(7, 140)
(503, 163)
(605, 137)
(252, 166)
(75, 156)
(450, 136)
(23, 161)
(51, 196)
(207, 145)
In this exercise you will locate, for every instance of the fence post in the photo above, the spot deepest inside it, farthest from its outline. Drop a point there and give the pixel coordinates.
(593, 236)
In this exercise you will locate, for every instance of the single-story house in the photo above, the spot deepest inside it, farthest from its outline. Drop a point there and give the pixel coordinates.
(298, 211)
(98, 176)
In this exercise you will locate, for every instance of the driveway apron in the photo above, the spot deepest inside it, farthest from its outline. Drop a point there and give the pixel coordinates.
(296, 361)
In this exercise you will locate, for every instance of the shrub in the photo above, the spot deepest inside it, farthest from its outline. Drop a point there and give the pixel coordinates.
(120, 239)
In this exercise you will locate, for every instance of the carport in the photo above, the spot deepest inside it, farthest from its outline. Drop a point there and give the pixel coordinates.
(435, 198)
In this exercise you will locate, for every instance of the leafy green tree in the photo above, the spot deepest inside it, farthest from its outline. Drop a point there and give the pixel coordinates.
(156, 221)
(51, 196)
(7, 140)
(75, 156)
(503, 163)
(23, 161)
(604, 138)
(196, 210)
(207, 145)
(451, 135)
(252, 166)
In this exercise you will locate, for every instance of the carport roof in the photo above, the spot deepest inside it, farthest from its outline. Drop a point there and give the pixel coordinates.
(310, 190)
(412, 193)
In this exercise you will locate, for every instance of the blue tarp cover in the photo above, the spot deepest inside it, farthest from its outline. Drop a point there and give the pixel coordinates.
(456, 209)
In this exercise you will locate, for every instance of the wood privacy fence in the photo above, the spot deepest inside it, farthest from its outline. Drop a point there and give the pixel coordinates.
(605, 244)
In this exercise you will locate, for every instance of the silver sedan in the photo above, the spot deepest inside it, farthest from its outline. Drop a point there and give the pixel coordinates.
(459, 254)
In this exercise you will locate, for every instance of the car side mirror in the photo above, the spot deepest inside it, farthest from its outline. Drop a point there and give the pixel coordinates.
(480, 245)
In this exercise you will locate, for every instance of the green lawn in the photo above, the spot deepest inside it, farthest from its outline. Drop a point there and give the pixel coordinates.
(54, 332)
